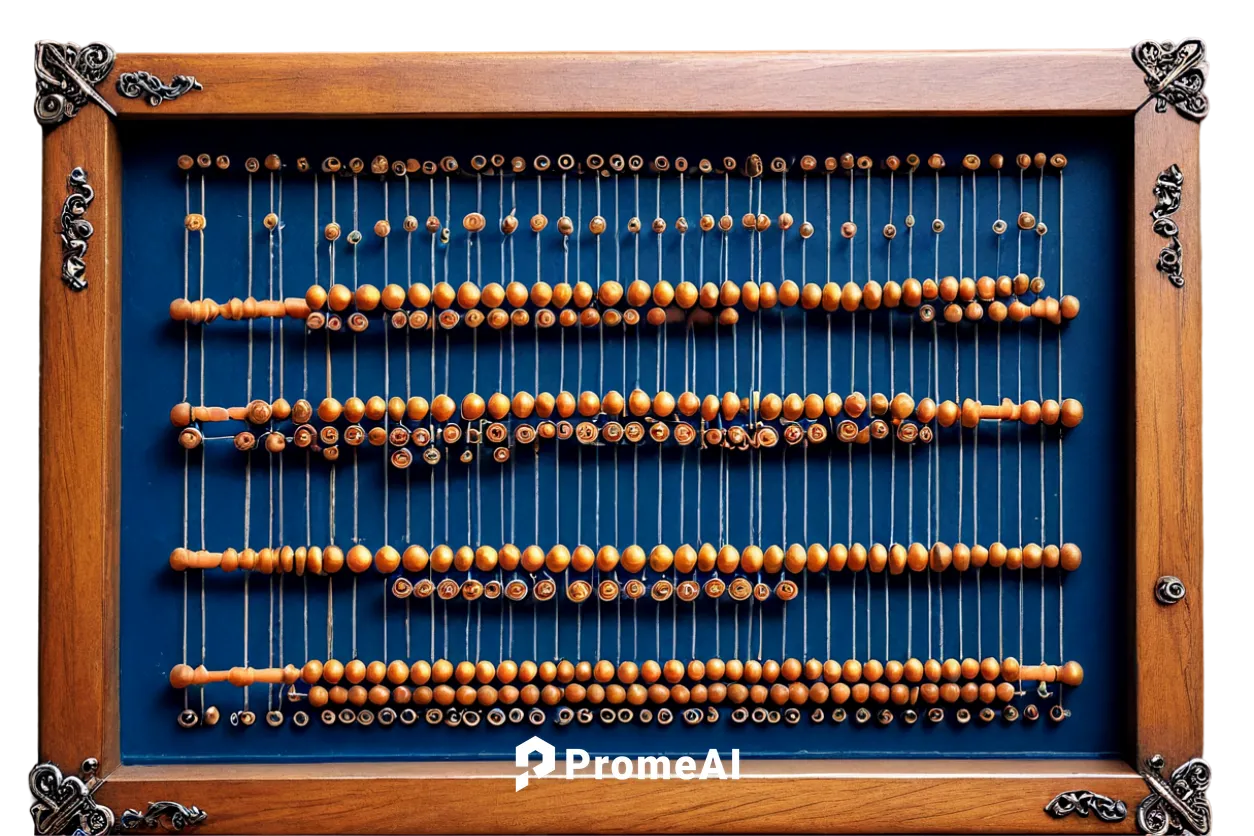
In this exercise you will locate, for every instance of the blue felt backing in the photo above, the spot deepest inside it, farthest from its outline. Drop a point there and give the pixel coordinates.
(881, 492)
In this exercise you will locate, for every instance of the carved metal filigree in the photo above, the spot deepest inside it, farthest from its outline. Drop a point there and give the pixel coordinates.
(168, 815)
(66, 76)
(1177, 805)
(1084, 803)
(1175, 75)
(1169, 589)
(75, 230)
(1168, 189)
(65, 803)
(140, 83)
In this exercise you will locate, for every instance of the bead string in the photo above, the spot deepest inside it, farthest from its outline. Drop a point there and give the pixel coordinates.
(910, 450)
(282, 389)
(187, 208)
(409, 391)
(957, 385)
(387, 384)
(432, 503)
(892, 389)
(853, 358)
(870, 326)
(975, 442)
(1061, 261)
(1019, 428)
(204, 632)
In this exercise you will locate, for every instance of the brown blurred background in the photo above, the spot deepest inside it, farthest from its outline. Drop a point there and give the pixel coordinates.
(1225, 258)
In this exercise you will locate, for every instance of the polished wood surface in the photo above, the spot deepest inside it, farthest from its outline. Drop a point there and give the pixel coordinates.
(874, 796)
(79, 413)
(1167, 337)
(1091, 82)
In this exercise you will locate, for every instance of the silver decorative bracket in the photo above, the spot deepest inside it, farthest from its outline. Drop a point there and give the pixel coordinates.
(66, 76)
(136, 84)
(1176, 806)
(1169, 191)
(66, 804)
(75, 230)
(1169, 590)
(167, 815)
(1085, 803)
(1175, 75)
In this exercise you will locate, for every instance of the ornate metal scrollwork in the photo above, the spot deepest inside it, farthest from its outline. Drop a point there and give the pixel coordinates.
(64, 803)
(1084, 803)
(1169, 589)
(67, 804)
(66, 76)
(75, 230)
(139, 83)
(169, 815)
(1175, 75)
(1177, 805)
(1168, 189)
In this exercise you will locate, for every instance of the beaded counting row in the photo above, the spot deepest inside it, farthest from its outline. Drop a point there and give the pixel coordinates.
(660, 410)
(965, 298)
(522, 405)
(795, 558)
(441, 686)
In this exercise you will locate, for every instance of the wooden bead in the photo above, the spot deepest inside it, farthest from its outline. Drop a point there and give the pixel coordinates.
(1069, 557)
(387, 560)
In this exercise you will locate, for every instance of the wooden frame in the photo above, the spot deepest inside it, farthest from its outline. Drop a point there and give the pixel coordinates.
(79, 488)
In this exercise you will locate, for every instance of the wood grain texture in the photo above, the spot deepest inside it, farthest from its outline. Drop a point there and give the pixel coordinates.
(1090, 82)
(773, 797)
(80, 391)
(1167, 334)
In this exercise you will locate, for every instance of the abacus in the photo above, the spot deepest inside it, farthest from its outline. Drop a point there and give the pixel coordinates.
(857, 445)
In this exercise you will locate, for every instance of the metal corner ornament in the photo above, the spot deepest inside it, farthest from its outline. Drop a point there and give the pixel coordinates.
(134, 85)
(1169, 190)
(1084, 803)
(1175, 805)
(66, 76)
(1175, 75)
(67, 804)
(75, 230)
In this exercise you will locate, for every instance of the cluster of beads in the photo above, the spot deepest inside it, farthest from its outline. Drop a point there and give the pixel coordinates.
(729, 560)
(712, 681)
(612, 304)
(663, 413)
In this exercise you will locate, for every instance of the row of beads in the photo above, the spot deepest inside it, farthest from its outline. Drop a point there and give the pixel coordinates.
(604, 671)
(497, 716)
(896, 558)
(753, 166)
(967, 298)
(736, 437)
(475, 222)
(522, 405)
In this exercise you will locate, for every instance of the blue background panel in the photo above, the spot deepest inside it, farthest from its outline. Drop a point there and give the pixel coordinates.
(1005, 483)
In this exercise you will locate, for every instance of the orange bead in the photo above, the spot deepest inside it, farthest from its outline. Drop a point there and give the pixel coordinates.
(359, 558)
